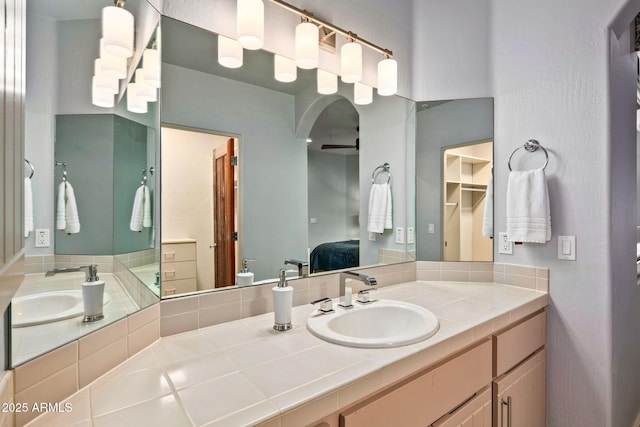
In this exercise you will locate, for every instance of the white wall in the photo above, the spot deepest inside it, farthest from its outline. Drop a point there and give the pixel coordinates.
(552, 81)
(187, 194)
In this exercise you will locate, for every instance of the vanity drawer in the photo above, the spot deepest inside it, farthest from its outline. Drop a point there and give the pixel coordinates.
(173, 287)
(175, 252)
(427, 396)
(477, 412)
(517, 343)
(178, 270)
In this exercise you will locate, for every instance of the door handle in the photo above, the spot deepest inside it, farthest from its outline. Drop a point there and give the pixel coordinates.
(506, 403)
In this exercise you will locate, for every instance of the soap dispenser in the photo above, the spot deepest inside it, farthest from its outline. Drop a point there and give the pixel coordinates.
(92, 295)
(245, 277)
(282, 302)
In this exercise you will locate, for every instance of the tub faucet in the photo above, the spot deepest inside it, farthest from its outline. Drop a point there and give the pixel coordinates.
(91, 271)
(367, 280)
(303, 266)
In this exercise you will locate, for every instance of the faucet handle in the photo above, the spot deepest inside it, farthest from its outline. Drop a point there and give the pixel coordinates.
(363, 296)
(326, 305)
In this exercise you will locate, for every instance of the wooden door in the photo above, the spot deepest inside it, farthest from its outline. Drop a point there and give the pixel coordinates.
(519, 396)
(224, 224)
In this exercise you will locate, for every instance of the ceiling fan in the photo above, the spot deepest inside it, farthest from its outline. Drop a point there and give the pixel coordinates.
(338, 146)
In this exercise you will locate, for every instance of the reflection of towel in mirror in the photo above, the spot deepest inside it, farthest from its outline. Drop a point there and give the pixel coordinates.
(528, 211)
(28, 207)
(141, 212)
(487, 217)
(380, 208)
(67, 218)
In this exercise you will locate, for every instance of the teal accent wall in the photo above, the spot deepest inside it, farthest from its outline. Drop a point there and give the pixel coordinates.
(105, 155)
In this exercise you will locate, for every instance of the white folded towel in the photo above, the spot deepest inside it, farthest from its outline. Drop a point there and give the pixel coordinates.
(141, 212)
(28, 207)
(380, 208)
(67, 217)
(528, 210)
(487, 217)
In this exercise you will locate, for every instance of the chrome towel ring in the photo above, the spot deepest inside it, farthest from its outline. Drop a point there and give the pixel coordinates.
(381, 169)
(33, 170)
(530, 145)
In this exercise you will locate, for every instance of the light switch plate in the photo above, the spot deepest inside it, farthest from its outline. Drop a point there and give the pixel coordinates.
(567, 248)
(432, 228)
(372, 237)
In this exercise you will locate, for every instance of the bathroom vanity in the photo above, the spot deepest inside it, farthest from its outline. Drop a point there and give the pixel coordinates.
(488, 357)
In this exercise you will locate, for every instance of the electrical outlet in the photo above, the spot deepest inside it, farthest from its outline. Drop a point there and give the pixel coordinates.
(372, 236)
(399, 234)
(42, 238)
(410, 238)
(504, 245)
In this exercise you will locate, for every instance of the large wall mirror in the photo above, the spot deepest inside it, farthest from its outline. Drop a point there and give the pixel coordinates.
(453, 178)
(302, 174)
(105, 155)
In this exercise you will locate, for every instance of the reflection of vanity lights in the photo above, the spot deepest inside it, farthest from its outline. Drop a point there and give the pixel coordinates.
(229, 52)
(284, 69)
(250, 33)
(362, 94)
(116, 45)
(147, 82)
(135, 103)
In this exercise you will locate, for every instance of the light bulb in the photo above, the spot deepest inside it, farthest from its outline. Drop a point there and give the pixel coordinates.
(151, 67)
(143, 90)
(229, 52)
(101, 97)
(135, 104)
(284, 69)
(327, 82)
(387, 77)
(117, 31)
(307, 45)
(250, 24)
(362, 94)
(114, 66)
(351, 62)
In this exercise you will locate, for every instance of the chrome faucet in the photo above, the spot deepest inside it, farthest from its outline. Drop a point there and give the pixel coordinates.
(91, 271)
(303, 266)
(367, 280)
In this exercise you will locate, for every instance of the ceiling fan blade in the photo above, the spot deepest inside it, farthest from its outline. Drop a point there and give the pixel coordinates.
(332, 146)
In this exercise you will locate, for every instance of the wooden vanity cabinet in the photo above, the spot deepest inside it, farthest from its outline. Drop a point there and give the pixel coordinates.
(499, 382)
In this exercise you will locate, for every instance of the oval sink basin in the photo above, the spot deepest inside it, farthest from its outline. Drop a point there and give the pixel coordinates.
(47, 307)
(380, 324)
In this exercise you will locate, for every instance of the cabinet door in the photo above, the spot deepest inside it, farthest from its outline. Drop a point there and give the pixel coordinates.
(474, 413)
(519, 396)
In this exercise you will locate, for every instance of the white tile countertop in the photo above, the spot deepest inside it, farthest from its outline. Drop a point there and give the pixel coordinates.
(245, 373)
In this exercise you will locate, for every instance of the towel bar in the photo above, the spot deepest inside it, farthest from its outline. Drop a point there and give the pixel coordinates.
(530, 145)
(380, 169)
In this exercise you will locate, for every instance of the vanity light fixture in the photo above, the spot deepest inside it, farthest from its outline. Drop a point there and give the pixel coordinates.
(143, 89)
(103, 81)
(135, 103)
(111, 65)
(307, 47)
(362, 94)
(250, 24)
(327, 82)
(284, 69)
(308, 40)
(387, 77)
(151, 67)
(101, 97)
(118, 30)
(229, 52)
(351, 62)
